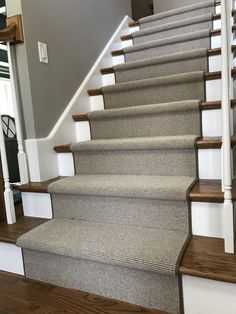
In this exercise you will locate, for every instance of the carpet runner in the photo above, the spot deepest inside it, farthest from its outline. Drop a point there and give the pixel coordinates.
(122, 222)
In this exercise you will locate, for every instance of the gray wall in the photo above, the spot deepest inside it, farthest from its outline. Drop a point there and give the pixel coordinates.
(76, 32)
(166, 5)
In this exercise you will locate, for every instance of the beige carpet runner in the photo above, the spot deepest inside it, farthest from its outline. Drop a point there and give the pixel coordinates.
(122, 222)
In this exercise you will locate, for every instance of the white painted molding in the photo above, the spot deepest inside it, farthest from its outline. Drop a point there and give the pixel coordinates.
(42, 160)
(37, 205)
(203, 296)
(11, 259)
(207, 219)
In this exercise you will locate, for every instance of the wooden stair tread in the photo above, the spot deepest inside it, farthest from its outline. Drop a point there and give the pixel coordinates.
(205, 258)
(203, 190)
(10, 233)
(37, 187)
(211, 52)
(80, 117)
(202, 143)
(62, 148)
(210, 191)
(31, 296)
(211, 105)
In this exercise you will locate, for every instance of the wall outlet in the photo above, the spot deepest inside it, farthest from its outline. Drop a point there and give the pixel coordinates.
(43, 52)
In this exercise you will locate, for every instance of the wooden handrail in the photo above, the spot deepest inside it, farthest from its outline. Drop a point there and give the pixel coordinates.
(13, 33)
(9, 33)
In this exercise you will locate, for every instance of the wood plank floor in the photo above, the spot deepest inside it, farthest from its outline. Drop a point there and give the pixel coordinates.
(21, 296)
(10, 233)
(205, 258)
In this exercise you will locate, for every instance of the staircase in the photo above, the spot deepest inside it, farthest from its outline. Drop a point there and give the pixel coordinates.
(122, 223)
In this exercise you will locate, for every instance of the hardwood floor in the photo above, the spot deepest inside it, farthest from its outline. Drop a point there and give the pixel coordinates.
(21, 296)
(10, 233)
(205, 258)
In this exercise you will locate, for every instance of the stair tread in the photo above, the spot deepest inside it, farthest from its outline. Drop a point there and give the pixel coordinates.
(185, 105)
(162, 59)
(210, 52)
(173, 25)
(173, 12)
(210, 191)
(169, 40)
(209, 142)
(205, 258)
(127, 246)
(137, 143)
(133, 186)
(37, 187)
(169, 79)
(10, 233)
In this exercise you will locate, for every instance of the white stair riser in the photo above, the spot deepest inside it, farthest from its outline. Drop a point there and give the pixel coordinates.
(37, 205)
(11, 259)
(207, 219)
(208, 296)
(209, 163)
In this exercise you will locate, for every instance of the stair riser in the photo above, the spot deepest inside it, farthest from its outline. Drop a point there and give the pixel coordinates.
(212, 92)
(176, 18)
(215, 42)
(148, 289)
(11, 259)
(177, 47)
(209, 164)
(37, 205)
(217, 297)
(137, 162)
(207, 219)
(147, 125)
(153, 95)
(152, 71)
(122, 210)
(213, 65)
(173, 32)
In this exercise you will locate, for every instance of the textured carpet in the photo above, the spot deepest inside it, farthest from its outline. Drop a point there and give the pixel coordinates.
(147, 120)
(122, 222)
(174, 28)
(178, 14)
(170, 88)
(173, 44)
(188, 61)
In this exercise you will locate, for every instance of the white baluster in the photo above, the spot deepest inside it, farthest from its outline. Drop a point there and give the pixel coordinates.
(22, 161)
(228, 221)
(8, 194)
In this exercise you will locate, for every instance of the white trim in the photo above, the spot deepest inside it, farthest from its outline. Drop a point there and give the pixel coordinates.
(37, 205)
(3, 47)
(11, 258)
(203, 296)
(3, 10)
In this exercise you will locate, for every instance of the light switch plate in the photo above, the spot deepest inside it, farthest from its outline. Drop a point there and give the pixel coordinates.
(43, 52)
